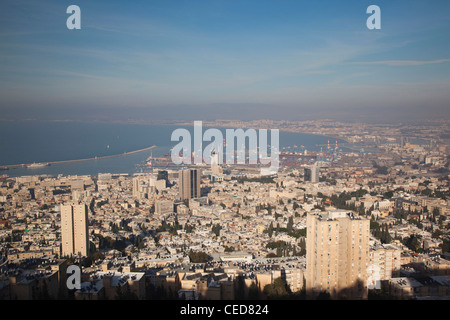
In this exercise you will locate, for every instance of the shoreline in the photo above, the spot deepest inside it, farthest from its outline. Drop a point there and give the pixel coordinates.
(226, 124)
(13, 166)
(207, 124)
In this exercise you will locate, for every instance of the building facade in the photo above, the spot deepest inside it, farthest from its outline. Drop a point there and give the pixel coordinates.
(74, 230)
(163, 206)
(337, 254)
(311, 174)
(189, 184)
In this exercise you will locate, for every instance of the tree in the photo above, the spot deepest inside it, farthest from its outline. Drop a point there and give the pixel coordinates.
(297, 233)
(435, 213)
(362, 209)
(427, 192)
(290, 224)
(198, 257)
(270, 230)
(388, 194)
(381, 170)
(445, 246)
(216, 229)
(229, 248)
(114, 228)
(271, 255)
(385, 235)
(302, 245)
(188, 228)
(276, 290)
(413, 243)
(380, 232)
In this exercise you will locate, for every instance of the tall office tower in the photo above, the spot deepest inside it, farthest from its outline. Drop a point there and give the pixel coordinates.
(337, 254)
(189, 184)
(312, 174)
(215, 166)
(136, 185)
(74, 229)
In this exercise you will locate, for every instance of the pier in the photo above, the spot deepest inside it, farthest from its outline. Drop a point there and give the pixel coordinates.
(12, 166)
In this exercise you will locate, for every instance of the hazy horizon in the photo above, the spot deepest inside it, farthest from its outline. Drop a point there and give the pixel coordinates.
(247, 113)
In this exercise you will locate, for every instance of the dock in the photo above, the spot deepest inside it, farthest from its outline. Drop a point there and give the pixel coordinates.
(12, 166)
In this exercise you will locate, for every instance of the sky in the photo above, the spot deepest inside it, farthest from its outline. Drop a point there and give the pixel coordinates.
(224, 59)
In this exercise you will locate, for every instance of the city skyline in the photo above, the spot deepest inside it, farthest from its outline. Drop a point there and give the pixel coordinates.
(136, 139)
(209, 59)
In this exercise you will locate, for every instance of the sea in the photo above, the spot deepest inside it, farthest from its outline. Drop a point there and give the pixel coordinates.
(32, 141)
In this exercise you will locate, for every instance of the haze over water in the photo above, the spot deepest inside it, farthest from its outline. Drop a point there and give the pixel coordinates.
(41, 141)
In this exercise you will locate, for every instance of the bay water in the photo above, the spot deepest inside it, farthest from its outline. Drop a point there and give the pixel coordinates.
(24, 142)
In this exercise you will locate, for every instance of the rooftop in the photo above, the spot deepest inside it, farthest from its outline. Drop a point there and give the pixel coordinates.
(406, 282)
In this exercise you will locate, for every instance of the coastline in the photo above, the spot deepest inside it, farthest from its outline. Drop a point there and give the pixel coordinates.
(12, 166)
(23, 166)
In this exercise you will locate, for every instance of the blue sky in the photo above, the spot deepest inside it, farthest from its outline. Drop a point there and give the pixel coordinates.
(287, 58)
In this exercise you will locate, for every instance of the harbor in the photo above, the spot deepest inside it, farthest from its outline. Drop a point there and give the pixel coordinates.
(40, 165)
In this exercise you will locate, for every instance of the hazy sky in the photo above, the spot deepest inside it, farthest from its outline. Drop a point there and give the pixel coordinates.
(224, 58)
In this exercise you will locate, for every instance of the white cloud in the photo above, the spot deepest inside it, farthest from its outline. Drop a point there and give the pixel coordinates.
(402, 63)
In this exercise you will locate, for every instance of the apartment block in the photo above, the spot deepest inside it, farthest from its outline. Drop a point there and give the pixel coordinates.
(74, 230)
(337, 254)
(385, 261)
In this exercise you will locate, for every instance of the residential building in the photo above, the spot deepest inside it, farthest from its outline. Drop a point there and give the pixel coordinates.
(74, 230)
(311, 174)
(337, 254)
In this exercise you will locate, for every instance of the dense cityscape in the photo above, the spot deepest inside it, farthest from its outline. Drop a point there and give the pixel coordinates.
(370, 222)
